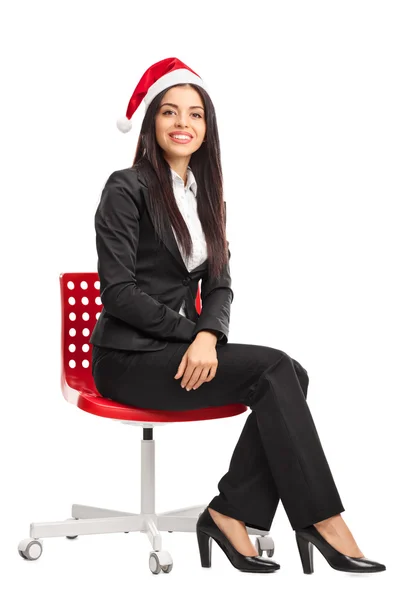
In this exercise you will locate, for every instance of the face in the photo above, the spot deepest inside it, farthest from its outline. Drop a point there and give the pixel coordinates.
(181, 110)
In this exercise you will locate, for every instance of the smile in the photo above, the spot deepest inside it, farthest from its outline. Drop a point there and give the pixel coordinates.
(180, 139)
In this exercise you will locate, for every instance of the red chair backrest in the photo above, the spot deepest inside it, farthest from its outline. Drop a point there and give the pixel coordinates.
(81, 306)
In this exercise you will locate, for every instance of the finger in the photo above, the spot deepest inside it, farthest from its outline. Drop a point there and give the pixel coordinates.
(188, 373)
(211, 375)
(181, 368)
(194, 378)
(202, 378)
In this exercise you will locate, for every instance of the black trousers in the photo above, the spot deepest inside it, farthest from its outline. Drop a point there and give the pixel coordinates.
(278, 456)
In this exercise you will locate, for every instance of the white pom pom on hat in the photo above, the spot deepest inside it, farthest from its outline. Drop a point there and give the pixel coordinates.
(124, 124)
(158, 77)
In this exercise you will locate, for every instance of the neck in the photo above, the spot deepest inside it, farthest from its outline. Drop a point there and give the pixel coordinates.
(179, 165)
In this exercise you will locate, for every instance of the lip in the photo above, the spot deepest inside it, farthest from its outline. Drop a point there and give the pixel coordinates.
(180, 133)
(182, 142)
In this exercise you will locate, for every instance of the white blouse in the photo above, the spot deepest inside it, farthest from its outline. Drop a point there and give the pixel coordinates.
(187, 204)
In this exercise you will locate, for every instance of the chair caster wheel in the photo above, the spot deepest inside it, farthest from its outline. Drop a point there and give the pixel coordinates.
(30, 549)
(160, 561)
(265, 543)
(71, 537)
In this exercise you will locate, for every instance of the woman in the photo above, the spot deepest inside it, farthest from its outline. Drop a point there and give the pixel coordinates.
(157, 221)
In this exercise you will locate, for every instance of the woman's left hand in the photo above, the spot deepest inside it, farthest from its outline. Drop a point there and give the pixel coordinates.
(199, 363)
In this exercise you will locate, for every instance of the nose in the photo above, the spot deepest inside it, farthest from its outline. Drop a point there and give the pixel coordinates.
(181, 120)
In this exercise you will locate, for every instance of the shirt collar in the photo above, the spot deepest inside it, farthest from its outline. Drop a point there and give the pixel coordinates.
(191, 181)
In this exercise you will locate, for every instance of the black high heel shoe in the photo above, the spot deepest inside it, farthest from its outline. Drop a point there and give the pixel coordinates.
(207, 530)
(308, 537)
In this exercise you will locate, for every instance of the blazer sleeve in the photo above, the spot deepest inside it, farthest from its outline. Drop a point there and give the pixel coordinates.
(216, 300)
(117, 222)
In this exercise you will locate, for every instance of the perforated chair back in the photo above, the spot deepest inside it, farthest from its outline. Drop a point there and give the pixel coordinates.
(81, 306)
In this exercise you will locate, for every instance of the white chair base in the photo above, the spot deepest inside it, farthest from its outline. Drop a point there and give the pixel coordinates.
(88, 520)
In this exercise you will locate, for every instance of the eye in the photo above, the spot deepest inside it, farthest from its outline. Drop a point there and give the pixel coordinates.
(170, 111)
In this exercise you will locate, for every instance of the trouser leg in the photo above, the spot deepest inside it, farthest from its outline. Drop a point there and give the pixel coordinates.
(279, 456)
(247, 492)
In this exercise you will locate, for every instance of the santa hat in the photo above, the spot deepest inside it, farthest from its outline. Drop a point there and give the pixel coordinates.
(158, 77)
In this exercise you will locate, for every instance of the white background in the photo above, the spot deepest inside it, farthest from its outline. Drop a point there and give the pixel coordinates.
(307, 98)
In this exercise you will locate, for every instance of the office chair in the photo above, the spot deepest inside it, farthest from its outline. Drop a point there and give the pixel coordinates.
(80, 308)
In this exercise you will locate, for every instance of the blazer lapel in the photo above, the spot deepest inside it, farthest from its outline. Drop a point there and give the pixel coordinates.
(170, 241)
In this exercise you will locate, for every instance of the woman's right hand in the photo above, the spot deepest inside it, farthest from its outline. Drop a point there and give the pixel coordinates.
(199, 363)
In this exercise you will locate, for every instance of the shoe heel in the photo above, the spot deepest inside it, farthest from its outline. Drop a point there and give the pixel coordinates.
(204, 541)
(306, 554)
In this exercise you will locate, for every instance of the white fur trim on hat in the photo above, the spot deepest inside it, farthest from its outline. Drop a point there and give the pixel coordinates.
(174, 77)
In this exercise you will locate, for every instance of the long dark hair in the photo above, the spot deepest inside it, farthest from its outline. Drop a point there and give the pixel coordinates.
(206, 166)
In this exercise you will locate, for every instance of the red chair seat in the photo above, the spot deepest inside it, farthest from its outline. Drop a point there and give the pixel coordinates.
(103, 407)
(80, 306)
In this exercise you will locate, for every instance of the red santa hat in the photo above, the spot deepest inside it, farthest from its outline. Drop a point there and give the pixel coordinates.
(158, 77)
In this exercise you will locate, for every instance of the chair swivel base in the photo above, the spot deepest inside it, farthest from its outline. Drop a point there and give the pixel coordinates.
(88, 520)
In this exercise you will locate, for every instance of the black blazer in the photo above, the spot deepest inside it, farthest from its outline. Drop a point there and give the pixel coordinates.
(142, 286)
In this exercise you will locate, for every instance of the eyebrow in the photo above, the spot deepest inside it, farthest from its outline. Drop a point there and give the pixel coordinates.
(176, 106)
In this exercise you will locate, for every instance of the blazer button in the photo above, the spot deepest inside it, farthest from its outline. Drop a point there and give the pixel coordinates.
(186, 281)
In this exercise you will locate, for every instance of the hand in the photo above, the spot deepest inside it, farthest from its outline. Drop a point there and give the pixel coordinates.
(199, 363)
